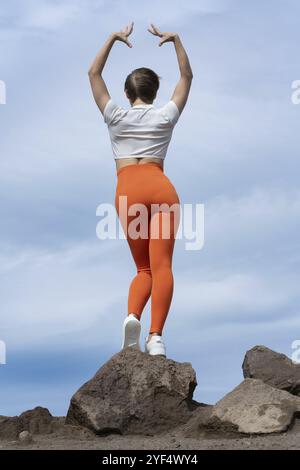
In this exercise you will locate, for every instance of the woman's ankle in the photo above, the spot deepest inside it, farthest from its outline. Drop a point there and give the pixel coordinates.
(155, 333)
(136, 316)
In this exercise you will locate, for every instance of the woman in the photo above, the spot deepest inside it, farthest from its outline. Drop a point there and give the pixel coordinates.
(139, 138)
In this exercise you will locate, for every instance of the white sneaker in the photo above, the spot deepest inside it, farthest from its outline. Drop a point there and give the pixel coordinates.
(131, 332)
(155, 346)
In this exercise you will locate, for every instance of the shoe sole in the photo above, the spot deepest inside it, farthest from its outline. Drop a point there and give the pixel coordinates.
(131, 334)
(157, 354)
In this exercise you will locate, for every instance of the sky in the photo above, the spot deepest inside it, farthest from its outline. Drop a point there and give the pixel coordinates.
(235, 149)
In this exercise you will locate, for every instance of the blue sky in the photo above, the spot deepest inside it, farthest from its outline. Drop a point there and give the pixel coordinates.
(235, 149)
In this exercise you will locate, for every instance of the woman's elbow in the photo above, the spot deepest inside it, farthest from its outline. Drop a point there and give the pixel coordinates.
(92, 72)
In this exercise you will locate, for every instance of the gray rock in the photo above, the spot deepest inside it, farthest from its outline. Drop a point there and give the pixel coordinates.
(253, 407)
(25, 437)
(135, 393)
(9, 427)
(199, 425)
(36, 421)
(273, 368)
(75, 432)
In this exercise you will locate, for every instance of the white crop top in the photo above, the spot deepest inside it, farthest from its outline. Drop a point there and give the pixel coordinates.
(141, 130)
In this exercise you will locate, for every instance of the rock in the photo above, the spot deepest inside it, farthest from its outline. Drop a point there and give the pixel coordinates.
(75, 432)
(198, 425)
(135, 393)
(25, 437)
(37, 421)
(9, 427)
(58, 423)
(272, 368)
(253, 407)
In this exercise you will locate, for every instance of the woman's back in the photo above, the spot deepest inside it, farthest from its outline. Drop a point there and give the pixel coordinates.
(142, 130)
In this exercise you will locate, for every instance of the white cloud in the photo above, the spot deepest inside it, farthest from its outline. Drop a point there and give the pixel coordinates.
(233, 295)
(46, 293)
(247, 266)
(52, 15)
(49, 15)
(259, 217)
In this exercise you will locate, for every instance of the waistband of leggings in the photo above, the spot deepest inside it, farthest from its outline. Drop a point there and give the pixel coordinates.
(134, 166)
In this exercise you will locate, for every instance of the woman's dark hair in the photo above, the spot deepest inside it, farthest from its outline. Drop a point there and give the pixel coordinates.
(142, 83)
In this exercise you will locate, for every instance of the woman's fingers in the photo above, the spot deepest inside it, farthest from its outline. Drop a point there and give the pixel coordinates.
(130, 27)
(151, 30)
(154, 30)
(123, 35)
(157, 31)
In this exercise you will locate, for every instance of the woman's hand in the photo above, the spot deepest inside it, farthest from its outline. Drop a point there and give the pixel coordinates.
(123, 35)
(166, 37)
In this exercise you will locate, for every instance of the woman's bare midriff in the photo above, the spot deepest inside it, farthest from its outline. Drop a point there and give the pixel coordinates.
(137, 160)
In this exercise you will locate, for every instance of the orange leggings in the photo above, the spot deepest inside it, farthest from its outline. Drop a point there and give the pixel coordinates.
(152, 252)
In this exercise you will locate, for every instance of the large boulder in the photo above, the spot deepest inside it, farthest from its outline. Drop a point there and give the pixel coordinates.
(273, 368)
(135, 393)
(253, 407)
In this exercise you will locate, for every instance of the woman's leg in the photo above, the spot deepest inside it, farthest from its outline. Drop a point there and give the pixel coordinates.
(141, 285)
(161, 253)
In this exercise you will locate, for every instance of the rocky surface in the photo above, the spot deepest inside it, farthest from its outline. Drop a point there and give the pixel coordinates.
(135, 393)
(137, 401)
(167, 441)
(272, 368)
(253, 407)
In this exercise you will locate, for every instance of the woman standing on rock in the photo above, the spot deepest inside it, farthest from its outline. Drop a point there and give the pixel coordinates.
(139, 138)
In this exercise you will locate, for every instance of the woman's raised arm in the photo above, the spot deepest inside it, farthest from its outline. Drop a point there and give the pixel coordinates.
(183, 86)
(99, 89)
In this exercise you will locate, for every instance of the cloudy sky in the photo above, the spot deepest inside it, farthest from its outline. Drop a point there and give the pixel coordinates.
(235, 149)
